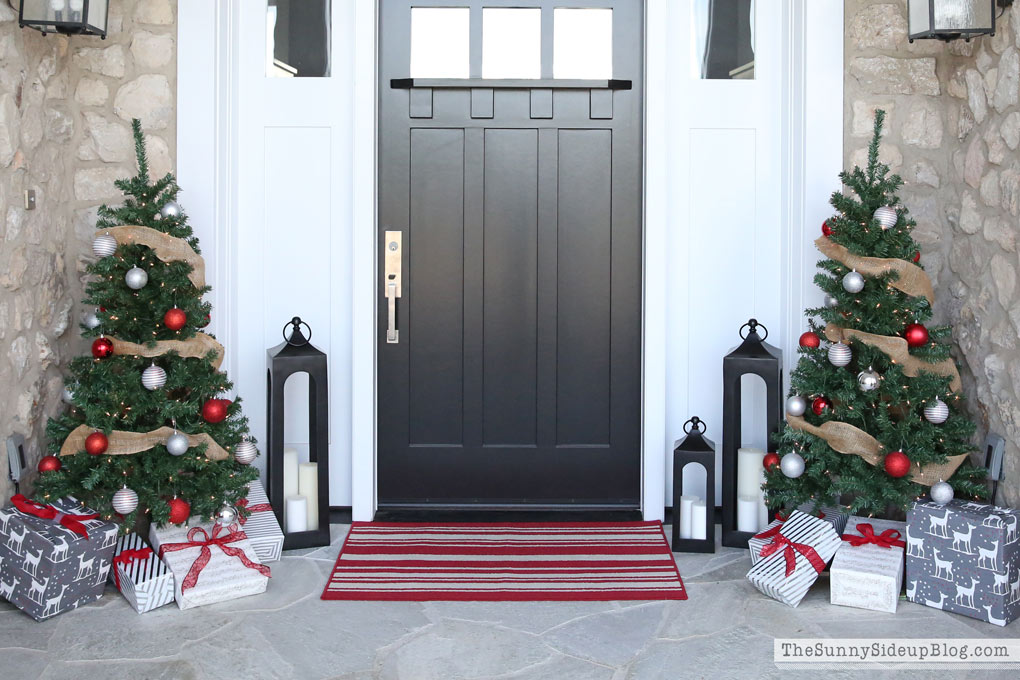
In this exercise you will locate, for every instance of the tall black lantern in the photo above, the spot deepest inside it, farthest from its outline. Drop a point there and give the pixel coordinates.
(297, 355)
(694, 448)
(753, 356)
(71, 17)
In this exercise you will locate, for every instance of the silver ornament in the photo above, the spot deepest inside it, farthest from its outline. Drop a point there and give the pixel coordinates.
(936, 412)
(104, 245)
(869, 380)
(853, 282)
(91, 320)
(177, 444)
(796, 405)
(245, 452)
(67, 395)
(153, 377)
(886, 217)
(792, 465)
(942, 492)
(136, 278)
(125, 500)
(170, 209)
(227, 514)
(840, 354)
(831, 301)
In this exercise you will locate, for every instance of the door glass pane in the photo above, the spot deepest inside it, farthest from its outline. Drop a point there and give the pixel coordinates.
(723, 39)
(582, 43)
(511, 42)
(297, 38)
(440, 37)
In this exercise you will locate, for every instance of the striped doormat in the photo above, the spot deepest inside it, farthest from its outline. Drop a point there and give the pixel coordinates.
(513, 561)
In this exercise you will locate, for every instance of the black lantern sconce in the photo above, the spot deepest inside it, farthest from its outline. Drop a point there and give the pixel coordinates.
(296, 354)
(71, 17)
(698, 449)
(952, 19)
(756, 357)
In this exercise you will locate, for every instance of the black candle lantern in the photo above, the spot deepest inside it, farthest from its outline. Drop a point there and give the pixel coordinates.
(71, 17)
(952, 19)
(694, 448)
(753, 356)
(297, 355)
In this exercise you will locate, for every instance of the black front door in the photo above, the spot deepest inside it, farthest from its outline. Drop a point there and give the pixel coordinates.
(510, 257)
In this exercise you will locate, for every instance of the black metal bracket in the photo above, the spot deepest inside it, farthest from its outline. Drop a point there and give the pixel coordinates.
(511, 83)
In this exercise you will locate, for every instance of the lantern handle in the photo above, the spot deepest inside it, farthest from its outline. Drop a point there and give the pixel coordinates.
(297, 323)
(697, 424)
(752, 326)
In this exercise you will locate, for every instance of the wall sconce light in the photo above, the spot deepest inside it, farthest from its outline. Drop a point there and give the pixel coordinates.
(71, 17)
(952, 19)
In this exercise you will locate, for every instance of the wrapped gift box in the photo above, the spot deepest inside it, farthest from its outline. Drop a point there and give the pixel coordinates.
(232, 569)
(261, 526)
(796, 553)
(837, 517)
(965, 558)
(867, 572)
(140, 575)
(52, 558)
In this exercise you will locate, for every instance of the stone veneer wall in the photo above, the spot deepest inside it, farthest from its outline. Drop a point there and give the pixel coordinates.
(953, 134)
(65, 111)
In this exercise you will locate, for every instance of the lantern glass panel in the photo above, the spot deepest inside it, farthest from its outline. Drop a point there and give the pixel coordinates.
(97, 14)
(963, 15)
(919, 16)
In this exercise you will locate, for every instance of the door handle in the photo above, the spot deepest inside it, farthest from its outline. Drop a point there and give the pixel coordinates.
(392, 284)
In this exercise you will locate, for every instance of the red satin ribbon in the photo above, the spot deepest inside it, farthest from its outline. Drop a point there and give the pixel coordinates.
(258, 507)
(67, 520)
(890, 538)
(789, 548)
(126, 558)
(206, 543)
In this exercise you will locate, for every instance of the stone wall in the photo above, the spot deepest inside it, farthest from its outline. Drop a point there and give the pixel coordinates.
(65, 111)
(953, 132)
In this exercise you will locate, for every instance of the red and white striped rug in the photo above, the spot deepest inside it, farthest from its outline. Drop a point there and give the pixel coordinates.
(513, 561)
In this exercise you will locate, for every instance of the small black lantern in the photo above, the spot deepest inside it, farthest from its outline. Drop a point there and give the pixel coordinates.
(753, 356)
(951, 19)
(699, 449)
(71, 17)
(296, 354)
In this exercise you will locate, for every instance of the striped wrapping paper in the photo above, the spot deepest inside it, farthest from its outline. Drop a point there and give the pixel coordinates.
(145, 583)
(769, 574)
(519, 561)
(837, 517)
(262, 527)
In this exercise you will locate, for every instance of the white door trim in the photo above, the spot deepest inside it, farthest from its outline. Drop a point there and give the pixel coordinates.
(207, 155)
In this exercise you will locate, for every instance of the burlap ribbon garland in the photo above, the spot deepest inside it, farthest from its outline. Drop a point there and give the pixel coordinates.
(122, 443)
(197, 347)
(911, 280)
(896, 349)
(166, 247)
(846, 438)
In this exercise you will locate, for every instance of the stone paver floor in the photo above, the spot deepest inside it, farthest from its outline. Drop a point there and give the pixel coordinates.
(725, 630)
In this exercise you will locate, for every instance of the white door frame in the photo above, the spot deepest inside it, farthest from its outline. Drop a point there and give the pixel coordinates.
(207, 157)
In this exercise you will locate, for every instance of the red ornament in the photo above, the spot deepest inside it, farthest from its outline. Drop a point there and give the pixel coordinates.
(215, 410)
(49, 464)
(916, 335)
(917, 256)
(175, 318)
(826, 229)
(820, 404)
(897, 464)
(810, 339)
(180, 510)
(102, 347)
(96, 443)
(770, 460)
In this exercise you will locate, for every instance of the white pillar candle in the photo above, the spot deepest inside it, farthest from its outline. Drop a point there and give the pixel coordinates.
(58, 5)
(296, 512)
(699, 516)
(747, 513)
(308, 486)
(77, 5)
(685, 515)
(290, 481)
(749, 471)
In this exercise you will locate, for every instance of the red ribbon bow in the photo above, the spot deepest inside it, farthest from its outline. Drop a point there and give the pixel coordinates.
(790, 550)
(67, 520)
(890, 538)
(126, 558)
(258, 507)
(206, 543)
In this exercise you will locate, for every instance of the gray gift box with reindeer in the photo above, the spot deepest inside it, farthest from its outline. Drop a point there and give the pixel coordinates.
(964, 557)
(45, 568)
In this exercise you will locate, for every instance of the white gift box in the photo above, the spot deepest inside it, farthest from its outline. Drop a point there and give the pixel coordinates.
(224, 577)
(837, 517)
(261, 526)
(143, 580)
(798, 537)
(868, 576)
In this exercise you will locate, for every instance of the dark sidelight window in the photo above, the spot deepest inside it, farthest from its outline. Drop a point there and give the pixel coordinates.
(724, 38)
(298, 38)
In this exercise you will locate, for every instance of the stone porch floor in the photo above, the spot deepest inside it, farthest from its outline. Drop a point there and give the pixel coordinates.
(725, 630)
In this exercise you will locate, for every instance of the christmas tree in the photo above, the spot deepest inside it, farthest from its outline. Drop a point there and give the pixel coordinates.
(875, 414)
(147, 430)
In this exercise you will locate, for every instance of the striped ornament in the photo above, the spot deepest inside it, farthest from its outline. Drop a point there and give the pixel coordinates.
(124, 500)
(153, 377)
(769, 574)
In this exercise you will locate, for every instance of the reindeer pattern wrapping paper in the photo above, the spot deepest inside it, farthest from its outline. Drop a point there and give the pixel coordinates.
(964, 557)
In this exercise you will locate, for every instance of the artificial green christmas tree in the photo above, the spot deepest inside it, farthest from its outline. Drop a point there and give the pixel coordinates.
(875, 415)
(147, 430)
